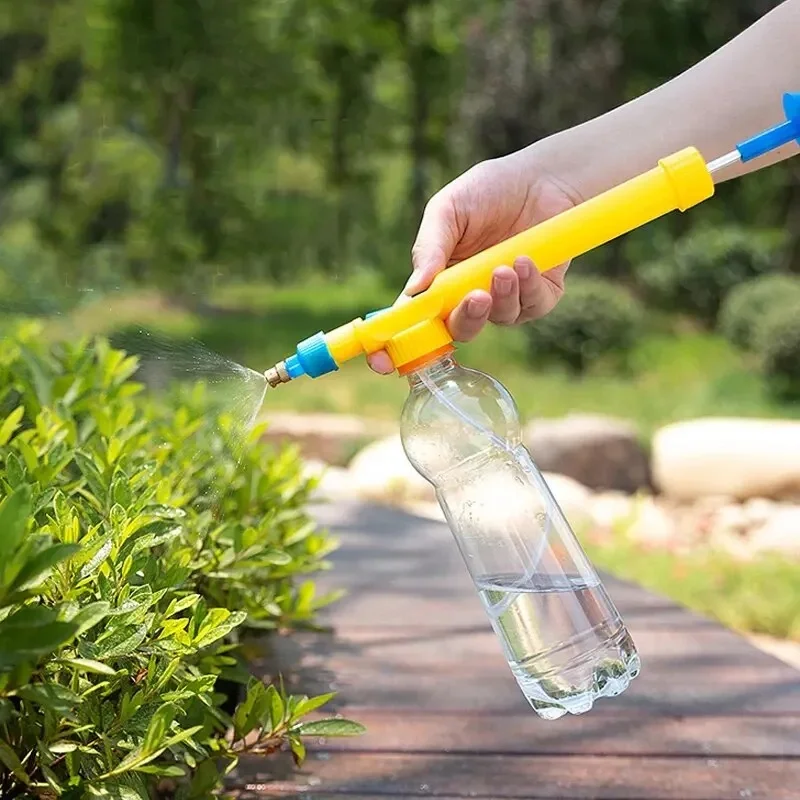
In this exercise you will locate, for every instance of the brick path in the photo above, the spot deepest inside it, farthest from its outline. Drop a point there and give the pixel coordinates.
(414, 659)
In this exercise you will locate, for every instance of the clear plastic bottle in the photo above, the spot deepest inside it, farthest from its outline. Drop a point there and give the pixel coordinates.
(562, 635)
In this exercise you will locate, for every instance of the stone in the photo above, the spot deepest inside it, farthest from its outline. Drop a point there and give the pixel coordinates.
(611, 509)
(712, 503)
(335, 483)
(740, 458)
(780, 533)
(573, 499)
(758, 510)
(731, 519)
(381, 472)
(597, 451)
(652, 525)
(331, 438)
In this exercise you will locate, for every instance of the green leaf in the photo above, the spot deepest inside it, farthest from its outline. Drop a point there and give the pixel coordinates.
(298, 749)
(206, 779)
(122, 787)
(158, 728)
(122, 641)
(28, 454)
(14, 513)
(279, 558)
(121, 493)
(30, 632)
(251, 711)
(15, 472)
(331, 727)
(38, 568)
(138, 758)
(148, 541)
(51, 696)
(92, 474)
(218, 622)
(90, 615)
(94, 554)
(179, 605)
(163, 770)
(12, 762)
(277, 708)
(62, 747)
(305, 596)
(10, 425)
(6, 711)
(89, 665)
(309, 704)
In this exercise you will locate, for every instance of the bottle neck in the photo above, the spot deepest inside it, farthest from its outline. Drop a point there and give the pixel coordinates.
(435, 370)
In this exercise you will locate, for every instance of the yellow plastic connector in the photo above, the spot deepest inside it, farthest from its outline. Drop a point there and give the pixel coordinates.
(680, 181)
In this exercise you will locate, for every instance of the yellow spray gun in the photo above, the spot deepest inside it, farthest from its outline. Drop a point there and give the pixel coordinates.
(415, 331)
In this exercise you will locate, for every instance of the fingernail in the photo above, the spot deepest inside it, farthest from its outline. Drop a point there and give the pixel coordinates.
(503, 285)
(412, 284)
(523, 269)
(477, 307)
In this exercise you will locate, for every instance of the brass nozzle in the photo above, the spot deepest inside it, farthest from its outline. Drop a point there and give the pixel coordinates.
(277, 374)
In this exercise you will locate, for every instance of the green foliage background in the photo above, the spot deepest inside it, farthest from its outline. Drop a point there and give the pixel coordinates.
(183, 143)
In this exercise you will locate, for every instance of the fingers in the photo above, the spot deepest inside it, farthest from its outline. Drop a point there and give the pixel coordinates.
(380, 362)
(465, 323)
(469, 317)
(538, 292)
(518, 295)
(505, 296)
(436, 239)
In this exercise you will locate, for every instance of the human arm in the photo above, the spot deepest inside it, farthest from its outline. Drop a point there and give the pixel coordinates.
(727, 97)
(724, 99)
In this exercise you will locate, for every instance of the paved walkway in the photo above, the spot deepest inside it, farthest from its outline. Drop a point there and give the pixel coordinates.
(413, 658)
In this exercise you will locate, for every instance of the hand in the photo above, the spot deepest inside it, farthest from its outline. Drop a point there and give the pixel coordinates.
(488, 204)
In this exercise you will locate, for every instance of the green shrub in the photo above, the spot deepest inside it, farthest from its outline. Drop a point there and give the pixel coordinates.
(705, 265)
(777, 343)
(134, 555)
(749, 303)
(593, 319)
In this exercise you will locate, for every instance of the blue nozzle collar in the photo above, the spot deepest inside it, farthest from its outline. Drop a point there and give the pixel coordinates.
(782, 134)
(313, 358)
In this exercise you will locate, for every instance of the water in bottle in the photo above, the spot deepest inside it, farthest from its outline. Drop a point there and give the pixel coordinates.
(560, 631)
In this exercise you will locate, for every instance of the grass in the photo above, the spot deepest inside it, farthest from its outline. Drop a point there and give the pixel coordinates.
(670, 376)
(761, 596)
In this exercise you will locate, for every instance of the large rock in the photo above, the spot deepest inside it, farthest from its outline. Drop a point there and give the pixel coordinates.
(598, 452)
(574, 499)
(739, 458)
(653, 526)
(611, 510)
(779, 534)
(331, 438)
(382, 472)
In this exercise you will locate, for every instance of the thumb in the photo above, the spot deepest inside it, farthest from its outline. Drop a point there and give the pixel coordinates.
(436, 239)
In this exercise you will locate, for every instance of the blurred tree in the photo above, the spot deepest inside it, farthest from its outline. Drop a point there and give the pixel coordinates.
(537, 66)
(176, 141)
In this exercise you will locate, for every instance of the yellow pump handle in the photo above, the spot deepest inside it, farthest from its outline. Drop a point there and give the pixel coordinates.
(680, 181)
